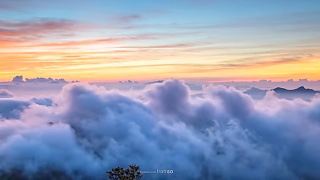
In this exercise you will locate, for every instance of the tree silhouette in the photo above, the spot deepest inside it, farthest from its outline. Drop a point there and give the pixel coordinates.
(120, 173)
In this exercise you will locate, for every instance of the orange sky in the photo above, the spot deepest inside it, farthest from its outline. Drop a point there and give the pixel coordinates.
(61, 42)
(67, 60)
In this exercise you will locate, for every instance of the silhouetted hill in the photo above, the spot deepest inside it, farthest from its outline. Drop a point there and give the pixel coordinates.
(300, 92)
(256, 93)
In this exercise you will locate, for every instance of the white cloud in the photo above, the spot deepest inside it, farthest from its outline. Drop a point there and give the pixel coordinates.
(87, 130)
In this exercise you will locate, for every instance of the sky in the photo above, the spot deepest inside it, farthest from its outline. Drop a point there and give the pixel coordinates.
(85, 130)
(113, 40)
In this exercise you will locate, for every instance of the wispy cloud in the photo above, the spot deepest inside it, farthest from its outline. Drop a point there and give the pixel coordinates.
(94, 41)
(6, 7)
(35, 28)
(124, 19)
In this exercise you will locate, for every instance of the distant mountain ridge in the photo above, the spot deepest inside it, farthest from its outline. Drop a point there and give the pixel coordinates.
(300, 89)
(256, 93)
(300, 92)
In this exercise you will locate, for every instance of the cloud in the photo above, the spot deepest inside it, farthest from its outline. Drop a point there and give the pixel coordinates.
(170, 46)
(6, 7)
(5, 93)
(125, 19)
(43, 101)
(88, 42)
(224, 134)
(45, 80)
(19, 79)
(34, 28)
(11, 108)
(9, 6)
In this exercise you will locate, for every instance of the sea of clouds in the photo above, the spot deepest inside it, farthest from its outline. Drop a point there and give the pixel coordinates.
(86, 130)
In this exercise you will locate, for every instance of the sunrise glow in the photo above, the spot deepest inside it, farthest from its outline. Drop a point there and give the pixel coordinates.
(114, 40)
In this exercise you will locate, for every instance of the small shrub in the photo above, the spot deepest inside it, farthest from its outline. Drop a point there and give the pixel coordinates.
(120, 173)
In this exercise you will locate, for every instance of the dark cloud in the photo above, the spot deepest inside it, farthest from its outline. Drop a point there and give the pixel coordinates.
(45, 80)
(17, 79)
(20, 79)
(223, 134)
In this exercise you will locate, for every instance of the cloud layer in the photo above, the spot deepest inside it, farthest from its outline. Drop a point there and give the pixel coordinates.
(19, 79)
(86, 130)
